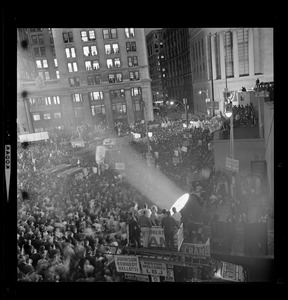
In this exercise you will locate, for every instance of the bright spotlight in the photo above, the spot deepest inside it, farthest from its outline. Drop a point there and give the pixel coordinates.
(180, 202)
(171, 102)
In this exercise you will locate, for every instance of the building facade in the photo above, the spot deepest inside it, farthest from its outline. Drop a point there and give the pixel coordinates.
(178, 65)
(86, 76)
(238, 58)
(157, 65)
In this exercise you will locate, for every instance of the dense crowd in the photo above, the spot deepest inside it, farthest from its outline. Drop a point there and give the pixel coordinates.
(68, 228)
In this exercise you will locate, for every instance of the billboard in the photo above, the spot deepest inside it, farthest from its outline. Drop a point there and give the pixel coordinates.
(33, 137)
(153, 268)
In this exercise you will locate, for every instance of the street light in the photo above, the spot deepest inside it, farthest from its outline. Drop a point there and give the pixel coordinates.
(229, 114)
(184, 103)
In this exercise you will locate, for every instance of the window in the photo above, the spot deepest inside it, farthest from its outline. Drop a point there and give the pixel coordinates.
(111, 78)
(57, 115)
(117, 62)
(47, 100)
(119, 77)
(119, 108)
(106, 34)
(117, 93)
(43, 51)
(77, 97)
(95, 65)
(70, 52)
(228, 46)
(137, 105)
(113, 33)
(90, 50)
(53, 50)
(79, 112)
(131, 46)
(36, 52)
(34, 39)
(243, 54)
(45, 63)
(132, 61)
(55, 62)
(84, 36)
(72, 67)
(57, 74)
(47, 75)
(41, 75)
(32, 29)
(134, 76)
(136, 91)
(39, 64)
(91, 35)
(93, 79)
(115, 48)
(94, 50)
(129, 32)
(36, 117)
(109, 63)
(47, 116)
(40, 39)
(86, 51)
(74, 81)
(108, 49)
(56, 100)
(98, 110)
(96, 95)
(88, 65)
(68, 37)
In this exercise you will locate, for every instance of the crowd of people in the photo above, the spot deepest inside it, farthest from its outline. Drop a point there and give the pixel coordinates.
(69, 228)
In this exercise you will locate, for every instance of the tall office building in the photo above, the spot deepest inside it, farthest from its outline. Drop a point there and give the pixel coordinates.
(87, 75)
(157, 66)
(239, 57)
(178, 66)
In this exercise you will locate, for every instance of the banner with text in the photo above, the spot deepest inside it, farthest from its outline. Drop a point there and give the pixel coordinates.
(198, 250)
(128, 264)
(153, 268)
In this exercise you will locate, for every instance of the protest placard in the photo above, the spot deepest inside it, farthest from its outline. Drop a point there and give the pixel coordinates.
(127, 263)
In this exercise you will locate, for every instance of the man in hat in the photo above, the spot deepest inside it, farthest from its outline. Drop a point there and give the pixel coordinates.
(134, 231)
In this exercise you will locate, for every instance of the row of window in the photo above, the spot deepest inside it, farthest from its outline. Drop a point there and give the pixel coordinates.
(90, 35)
(44, 101)
(94, 64)
(46, 116)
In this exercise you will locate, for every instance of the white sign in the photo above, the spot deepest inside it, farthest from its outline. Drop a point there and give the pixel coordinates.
(128, 264)
(197, 250)
(232, 164)
(109, 142)
(155, 278)
(153, 268)
(100, 154)
(136, 277)
(170, 275)
(32, 137)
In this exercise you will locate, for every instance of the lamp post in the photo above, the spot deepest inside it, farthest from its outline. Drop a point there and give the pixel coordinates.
(146, 127)
(184, 103)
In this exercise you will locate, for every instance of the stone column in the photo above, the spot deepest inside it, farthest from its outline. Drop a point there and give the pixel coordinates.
(222, 56)
(235, 54)
(213, 56)
(251, 52)
(129, 105)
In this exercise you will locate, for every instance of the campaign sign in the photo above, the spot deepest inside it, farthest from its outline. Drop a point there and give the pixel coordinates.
(170, 275)
(128, 264)
(197, 250)
(230, 272)
(153, 268)
(136, 277)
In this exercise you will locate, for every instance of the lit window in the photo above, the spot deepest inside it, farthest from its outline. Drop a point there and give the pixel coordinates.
(95, 65)
(129, 32)
(136, 91)
(67, 50)
(98, 110)
(106, 34)
(73, 53)
(45, 63)
(109, 63)
(57, 74)
(77, 97)
(94, 50)
(39, 64)
(92, 35)
(47, 116)
(48, 100)
(115, 48)
(84, 36)
(117, 62)
(96, 95)
(56, 100)
(57, 115)
(88, 65)
(36, 117)
(47, 75)
(119, 77)
(108, 49)
(111, 78)
(86, 51)
(55, 62)
(70, 69)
